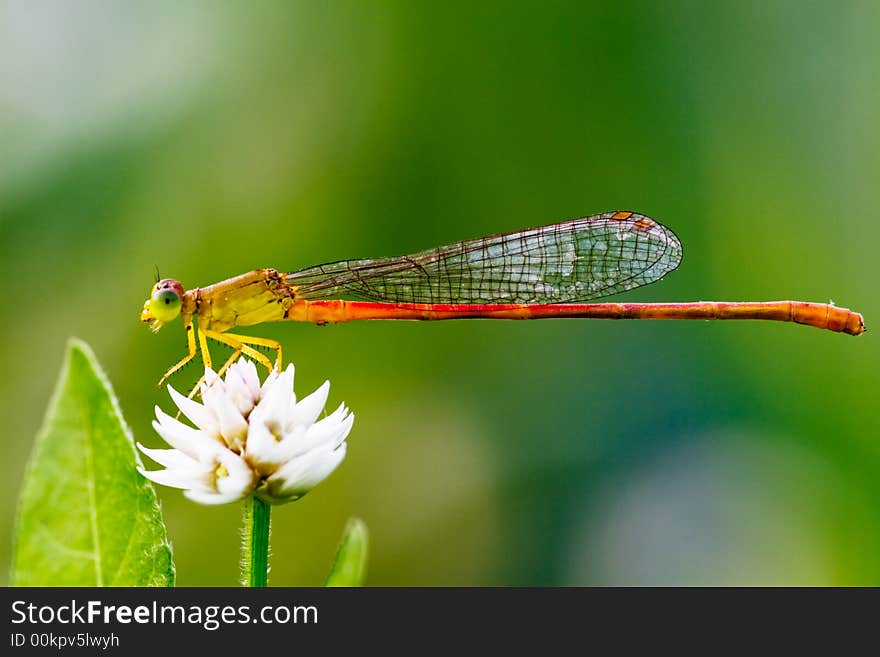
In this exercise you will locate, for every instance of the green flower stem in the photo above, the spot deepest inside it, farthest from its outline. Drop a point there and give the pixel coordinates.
(255, 543)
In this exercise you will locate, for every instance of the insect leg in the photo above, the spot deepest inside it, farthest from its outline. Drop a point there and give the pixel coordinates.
(263, 342)
(236, 343)
(203, 343)
(191, 346)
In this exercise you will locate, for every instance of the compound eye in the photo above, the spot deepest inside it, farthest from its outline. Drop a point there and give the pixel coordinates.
(165, 301)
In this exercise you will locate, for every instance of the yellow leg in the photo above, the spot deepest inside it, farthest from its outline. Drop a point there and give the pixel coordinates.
(191, 345)
(240, 343)
(264, 342)
(203, 343)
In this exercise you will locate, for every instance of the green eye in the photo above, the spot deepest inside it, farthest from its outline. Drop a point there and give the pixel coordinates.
(165, 305)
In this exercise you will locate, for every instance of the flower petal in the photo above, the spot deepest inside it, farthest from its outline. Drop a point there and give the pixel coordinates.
(212, 378)
(249, 375)
(298, 476)
(277, 399)
(233, 426)
(309, 408)
(238, 389)
(329, 432)
(273, 407)
(239, 475)
(212, 498)
(271, 379)
(177, 478)
(194, 412)
(262, 447)
(169, 458)
(192, 442)
(212, 393)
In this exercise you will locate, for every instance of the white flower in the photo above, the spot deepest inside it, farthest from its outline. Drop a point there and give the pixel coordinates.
(249, 438)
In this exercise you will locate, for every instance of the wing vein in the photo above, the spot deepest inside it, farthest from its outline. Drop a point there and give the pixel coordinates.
(568, 262)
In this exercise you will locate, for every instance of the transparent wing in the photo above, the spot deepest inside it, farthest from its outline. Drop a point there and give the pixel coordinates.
(568, 262)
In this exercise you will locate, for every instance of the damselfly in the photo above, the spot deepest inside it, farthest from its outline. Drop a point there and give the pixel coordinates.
(540, 273)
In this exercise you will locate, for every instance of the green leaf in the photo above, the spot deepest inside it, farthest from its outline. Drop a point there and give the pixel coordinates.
(86, 517)
(350, 567)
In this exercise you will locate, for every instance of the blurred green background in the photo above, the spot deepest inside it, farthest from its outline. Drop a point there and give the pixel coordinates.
(213, 138)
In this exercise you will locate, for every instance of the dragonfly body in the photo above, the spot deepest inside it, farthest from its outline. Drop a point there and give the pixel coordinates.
(546, 272)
